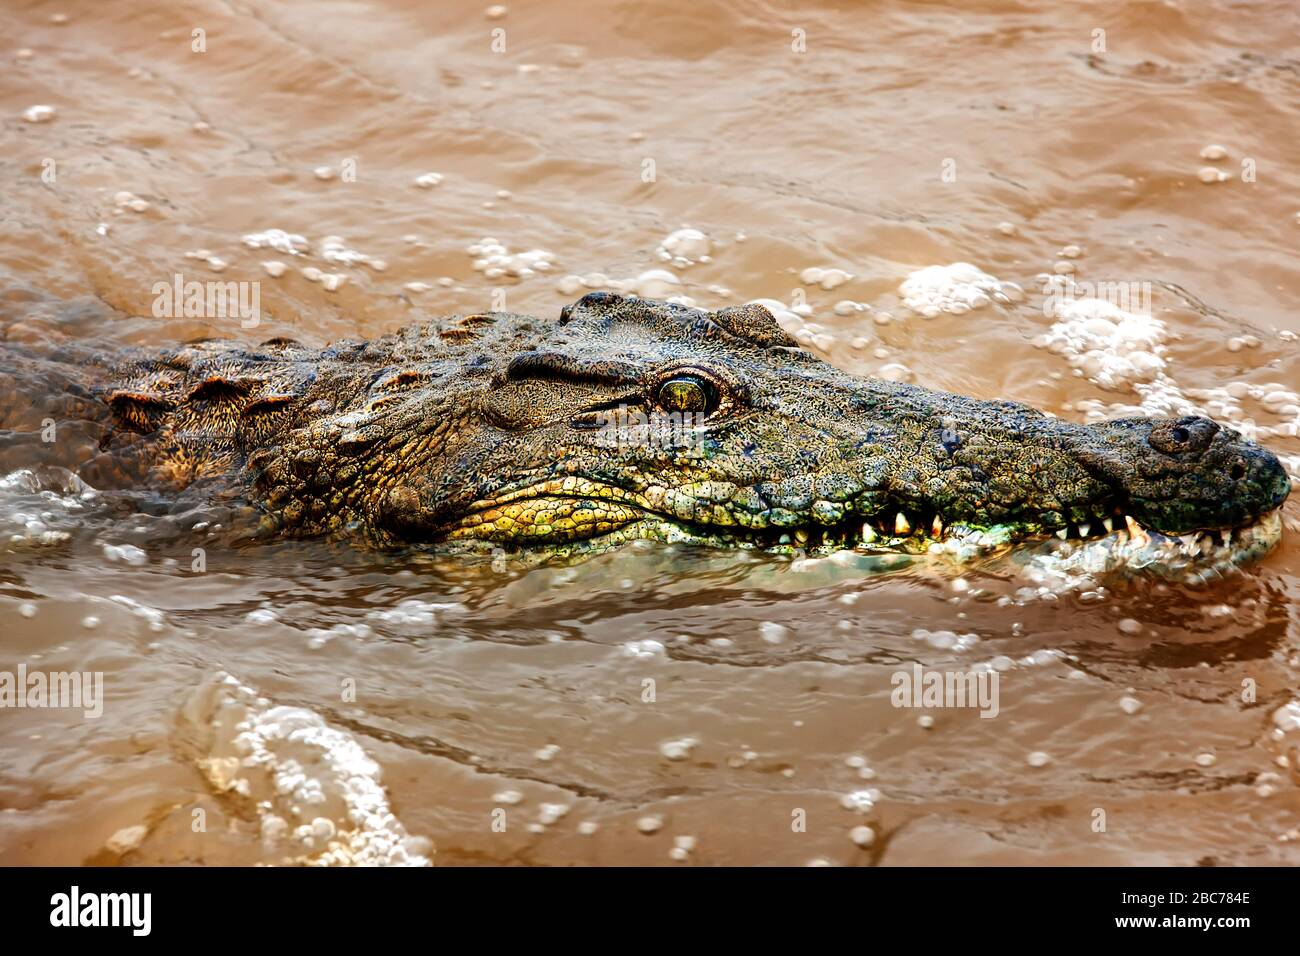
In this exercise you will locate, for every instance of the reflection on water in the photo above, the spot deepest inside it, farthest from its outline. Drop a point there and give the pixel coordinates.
(372, 168)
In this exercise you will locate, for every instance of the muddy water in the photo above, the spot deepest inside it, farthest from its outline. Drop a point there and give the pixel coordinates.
(651, 706)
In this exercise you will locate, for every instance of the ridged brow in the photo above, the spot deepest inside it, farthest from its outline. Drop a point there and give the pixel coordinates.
(557, 366)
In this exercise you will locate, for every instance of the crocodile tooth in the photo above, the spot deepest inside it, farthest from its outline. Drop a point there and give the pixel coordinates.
(901, 527)
(1062, 533)
(936, 529)
(1109, 524)
(1136, 531)
(784, 539)
(868, 533)
(801, 536)
(1085, 530)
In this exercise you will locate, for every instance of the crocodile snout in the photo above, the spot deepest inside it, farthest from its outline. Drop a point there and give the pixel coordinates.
(1184, 474)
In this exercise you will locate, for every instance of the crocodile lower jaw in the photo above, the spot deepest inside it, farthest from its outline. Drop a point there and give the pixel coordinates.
(543, 518)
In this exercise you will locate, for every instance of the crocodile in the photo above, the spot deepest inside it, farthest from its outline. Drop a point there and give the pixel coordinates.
(629, 418)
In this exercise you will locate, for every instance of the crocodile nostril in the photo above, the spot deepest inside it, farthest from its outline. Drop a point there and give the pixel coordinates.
(1179, 435)
(1238, 470)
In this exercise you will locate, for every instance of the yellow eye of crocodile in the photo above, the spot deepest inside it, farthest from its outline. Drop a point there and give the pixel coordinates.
(685, 394)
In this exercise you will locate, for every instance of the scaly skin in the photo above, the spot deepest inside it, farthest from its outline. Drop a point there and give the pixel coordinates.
(508, 431)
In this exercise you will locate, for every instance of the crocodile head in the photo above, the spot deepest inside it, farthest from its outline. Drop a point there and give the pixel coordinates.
(635, 419)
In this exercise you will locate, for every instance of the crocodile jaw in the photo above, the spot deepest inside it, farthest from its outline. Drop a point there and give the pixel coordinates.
(577, 516)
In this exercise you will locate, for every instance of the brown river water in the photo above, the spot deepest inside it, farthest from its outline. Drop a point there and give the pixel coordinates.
(266, 702)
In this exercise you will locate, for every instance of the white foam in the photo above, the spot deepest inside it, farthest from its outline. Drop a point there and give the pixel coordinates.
(827, 278)
(495, 260)
(651, 284)
(955, 289)
(316, 793)
(35, 509)
(1113, 348)
(40, 113)
(289, 243)
(334, 249)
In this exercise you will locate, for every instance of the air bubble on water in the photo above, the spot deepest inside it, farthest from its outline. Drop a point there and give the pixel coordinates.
(508, 797)
(685, 247)
(1038, 759)
(261, 615)
(40, 113)
(90, 622)
(274, 268)
(895, 372)
(1208, 174)
(827, 278)
(124, 201)
(1130, 705)
(863, 836)
(678, 749)
(550, 813)
(127, 553)
(1007, 228)
(27, 609)
(495, 260)
(334, 249)
(1206, 760)
(644, 649)
(588, 827)
(656, 284)
(289, 243)
(1214, 152)
(1130, 626)
(547, 753)
(772, 632)
(650, 824)
(323, 173)
(925, 721)
(496, 11)
(417, 287)
(861, 801)
(428, 180)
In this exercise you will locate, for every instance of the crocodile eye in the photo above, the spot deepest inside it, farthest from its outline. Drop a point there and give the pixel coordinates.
(686, 393)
